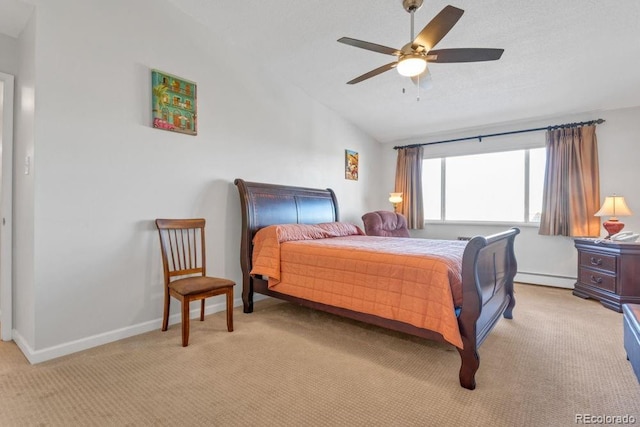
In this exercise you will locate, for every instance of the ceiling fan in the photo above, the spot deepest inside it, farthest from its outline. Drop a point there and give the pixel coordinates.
(413, 57)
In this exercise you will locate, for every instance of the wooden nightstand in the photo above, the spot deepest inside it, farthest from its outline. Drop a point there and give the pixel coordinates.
(609, 272)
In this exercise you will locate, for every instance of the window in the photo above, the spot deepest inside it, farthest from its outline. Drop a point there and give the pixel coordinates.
(492, 187)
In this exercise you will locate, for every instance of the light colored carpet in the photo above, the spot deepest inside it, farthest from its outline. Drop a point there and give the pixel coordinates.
(285, 365)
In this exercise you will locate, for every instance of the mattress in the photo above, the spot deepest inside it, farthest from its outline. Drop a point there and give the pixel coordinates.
(415, 281)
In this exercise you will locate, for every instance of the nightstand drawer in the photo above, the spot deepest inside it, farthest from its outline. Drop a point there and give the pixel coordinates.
(608, 272)
(597, 279)
(599, 261)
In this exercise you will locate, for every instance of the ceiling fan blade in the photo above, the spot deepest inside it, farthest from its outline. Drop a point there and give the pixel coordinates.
(437, 28)
(373, 73)
(464, 55)
(369, 46)
(423, 81)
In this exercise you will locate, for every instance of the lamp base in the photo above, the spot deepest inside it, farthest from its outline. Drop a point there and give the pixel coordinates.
(613, 226)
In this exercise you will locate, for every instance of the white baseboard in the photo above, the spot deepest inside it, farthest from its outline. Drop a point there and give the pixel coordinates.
(546, 280)
(38, 356)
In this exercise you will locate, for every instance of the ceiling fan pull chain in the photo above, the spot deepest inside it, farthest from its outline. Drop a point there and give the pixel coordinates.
(418, 86)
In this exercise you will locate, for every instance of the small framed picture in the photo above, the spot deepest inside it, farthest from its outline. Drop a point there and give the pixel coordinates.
(174, 103)
(351, 165)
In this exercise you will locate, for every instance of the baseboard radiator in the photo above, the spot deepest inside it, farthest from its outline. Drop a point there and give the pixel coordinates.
(545, 279)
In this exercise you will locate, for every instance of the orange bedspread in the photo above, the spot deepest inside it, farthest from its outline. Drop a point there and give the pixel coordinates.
(416, 281)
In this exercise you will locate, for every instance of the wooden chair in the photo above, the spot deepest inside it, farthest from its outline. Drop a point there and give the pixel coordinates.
(185, 276)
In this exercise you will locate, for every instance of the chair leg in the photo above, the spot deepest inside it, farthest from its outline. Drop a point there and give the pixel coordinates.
(185, 322)
(230, 310)
(165, 317)
(202, 309)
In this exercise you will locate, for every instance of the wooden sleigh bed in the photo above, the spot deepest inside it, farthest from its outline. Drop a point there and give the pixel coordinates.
(487, 270)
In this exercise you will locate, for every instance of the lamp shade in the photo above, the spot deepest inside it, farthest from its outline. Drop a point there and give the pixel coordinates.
(395, 197)
(614, 206)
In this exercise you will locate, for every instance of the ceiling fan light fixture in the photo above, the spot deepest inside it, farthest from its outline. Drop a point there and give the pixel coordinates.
(411, 65)
(411, 60)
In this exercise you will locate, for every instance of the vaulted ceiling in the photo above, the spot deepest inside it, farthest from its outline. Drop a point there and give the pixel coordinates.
(560, 57)
(13, 16)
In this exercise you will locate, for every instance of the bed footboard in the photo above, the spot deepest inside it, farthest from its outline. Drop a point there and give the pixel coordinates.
(488, 268)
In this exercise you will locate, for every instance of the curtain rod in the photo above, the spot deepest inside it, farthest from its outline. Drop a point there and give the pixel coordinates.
(479, 137)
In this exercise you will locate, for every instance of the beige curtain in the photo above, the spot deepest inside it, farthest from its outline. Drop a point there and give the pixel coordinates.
(409, 183)
(572, 183)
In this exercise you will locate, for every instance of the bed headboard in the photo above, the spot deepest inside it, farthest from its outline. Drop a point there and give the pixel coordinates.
(268, 204)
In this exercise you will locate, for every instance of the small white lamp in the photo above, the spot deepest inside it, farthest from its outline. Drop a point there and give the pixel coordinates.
(395, 198)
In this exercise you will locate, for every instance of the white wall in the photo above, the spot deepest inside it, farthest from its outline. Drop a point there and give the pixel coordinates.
(101, 173)
(552, 259)
(9, 57)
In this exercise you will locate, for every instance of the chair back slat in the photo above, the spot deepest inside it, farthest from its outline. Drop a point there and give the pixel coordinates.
(183, 246)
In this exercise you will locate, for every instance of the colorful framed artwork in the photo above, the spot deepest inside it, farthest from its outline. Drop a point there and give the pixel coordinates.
(351, 165)
(174, 103)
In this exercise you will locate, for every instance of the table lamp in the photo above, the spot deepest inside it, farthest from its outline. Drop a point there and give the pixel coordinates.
(395, 198)
(613, 207)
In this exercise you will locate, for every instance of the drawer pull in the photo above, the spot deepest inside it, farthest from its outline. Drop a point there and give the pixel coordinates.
(595, 279)
(595, 261)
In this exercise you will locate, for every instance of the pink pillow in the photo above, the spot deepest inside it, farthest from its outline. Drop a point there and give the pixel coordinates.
(289, 232)
(340, 229)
